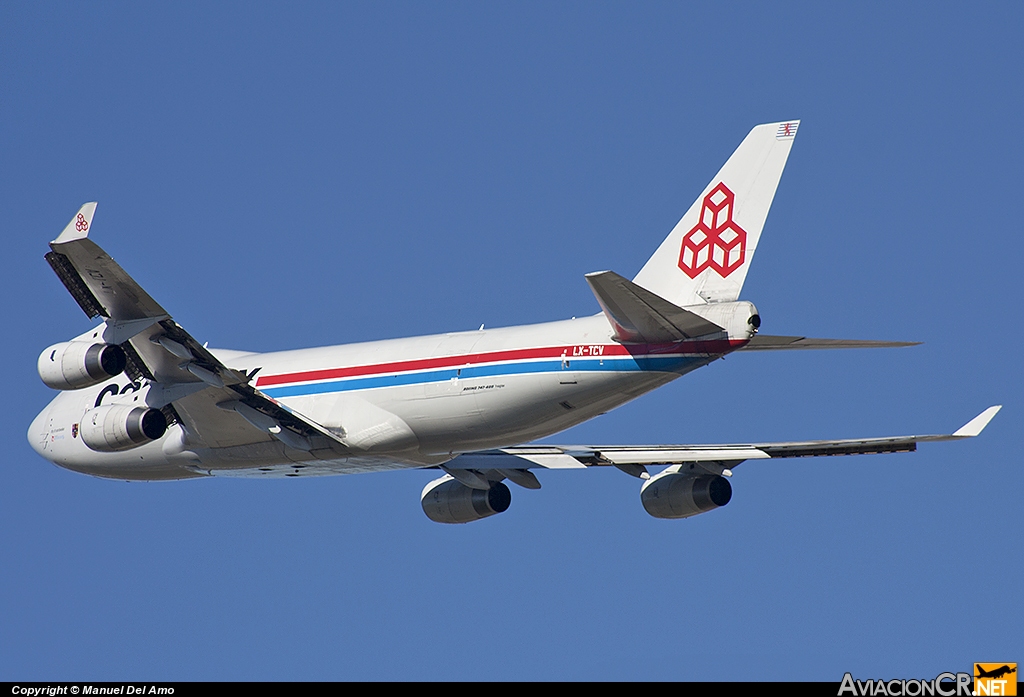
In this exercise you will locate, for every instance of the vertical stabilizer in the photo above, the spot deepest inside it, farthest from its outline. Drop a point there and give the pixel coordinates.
(707, 255)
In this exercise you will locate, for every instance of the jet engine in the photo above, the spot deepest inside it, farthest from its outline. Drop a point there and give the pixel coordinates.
(121, 427)
(675, 495)
(71, 365)
(445, 500)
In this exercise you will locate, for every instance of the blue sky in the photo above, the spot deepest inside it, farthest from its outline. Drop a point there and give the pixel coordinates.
(280, 176)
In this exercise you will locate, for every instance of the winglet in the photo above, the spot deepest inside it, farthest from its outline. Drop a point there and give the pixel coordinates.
(978, 423)
(78, 228)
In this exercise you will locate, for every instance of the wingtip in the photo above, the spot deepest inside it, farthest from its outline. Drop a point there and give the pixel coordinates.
(78, 228)
(978, 423)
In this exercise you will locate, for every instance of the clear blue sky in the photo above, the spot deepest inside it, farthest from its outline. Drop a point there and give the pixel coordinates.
(304, 174)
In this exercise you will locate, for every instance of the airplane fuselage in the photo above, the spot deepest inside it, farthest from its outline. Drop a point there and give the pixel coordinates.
(398, 403)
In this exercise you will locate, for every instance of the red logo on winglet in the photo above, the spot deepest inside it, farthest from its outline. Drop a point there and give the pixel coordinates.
(716, 240)
(81, 224)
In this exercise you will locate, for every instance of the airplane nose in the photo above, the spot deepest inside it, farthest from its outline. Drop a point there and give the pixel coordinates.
(39, 431)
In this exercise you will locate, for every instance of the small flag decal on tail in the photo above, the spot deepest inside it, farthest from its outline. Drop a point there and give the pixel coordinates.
(787, 130)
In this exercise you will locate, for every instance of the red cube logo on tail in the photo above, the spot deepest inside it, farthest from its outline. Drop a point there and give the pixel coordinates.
(716, 240)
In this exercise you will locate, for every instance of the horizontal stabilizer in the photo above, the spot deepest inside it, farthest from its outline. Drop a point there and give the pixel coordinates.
(640, 316)
(765, 342)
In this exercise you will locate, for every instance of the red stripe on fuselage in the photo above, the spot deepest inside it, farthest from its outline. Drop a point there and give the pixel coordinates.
(637, 350)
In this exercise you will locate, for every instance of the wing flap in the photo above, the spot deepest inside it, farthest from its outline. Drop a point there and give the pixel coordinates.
(669, 456)
(486, 460)
(68, 275)
(824, 448)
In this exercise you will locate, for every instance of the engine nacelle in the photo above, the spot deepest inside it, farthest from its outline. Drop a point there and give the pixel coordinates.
(71, 365)
(674, 495)
(121, 427)
(445, 500)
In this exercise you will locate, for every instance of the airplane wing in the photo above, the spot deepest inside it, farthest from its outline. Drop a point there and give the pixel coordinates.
(216, 405)
(476, 469)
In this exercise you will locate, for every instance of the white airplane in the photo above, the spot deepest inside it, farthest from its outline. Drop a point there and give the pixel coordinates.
(140, 399)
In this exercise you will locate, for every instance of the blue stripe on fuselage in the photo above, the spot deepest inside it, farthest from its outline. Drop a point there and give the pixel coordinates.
(662, 364)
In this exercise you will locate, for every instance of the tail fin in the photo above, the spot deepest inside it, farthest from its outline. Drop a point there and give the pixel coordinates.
(706, 256)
